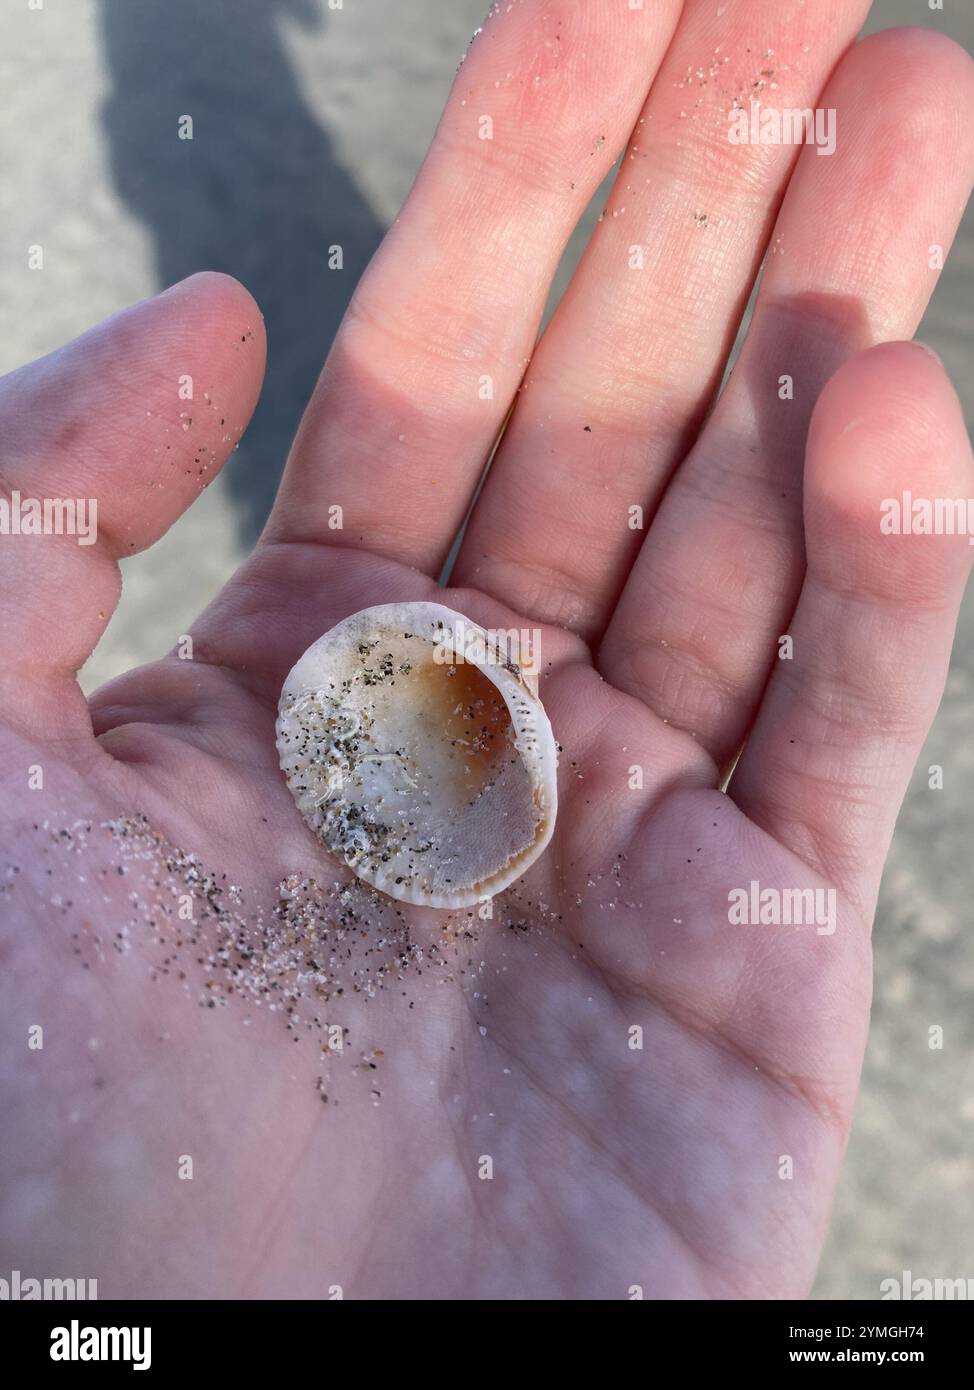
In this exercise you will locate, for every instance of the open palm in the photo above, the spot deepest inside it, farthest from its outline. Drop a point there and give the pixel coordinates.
(610, 1084)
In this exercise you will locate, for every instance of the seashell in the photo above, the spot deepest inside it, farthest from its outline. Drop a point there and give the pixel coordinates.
(419, 752)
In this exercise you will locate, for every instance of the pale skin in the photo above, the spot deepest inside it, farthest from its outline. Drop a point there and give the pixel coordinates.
(613, 1167)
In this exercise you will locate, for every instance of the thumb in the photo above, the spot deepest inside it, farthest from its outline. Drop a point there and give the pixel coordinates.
(103, 445)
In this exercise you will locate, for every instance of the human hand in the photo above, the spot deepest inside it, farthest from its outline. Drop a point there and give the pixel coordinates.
(613, 1166)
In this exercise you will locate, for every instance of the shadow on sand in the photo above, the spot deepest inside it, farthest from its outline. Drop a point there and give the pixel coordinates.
(257, 192)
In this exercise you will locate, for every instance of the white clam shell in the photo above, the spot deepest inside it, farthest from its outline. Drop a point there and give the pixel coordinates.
(434, 779)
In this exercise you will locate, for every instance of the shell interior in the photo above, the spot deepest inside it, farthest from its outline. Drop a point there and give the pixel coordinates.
(433, 779)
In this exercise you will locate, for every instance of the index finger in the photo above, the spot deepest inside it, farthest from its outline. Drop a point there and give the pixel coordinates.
(440, 329)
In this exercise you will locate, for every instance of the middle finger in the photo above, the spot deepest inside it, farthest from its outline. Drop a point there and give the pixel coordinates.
(618, 386)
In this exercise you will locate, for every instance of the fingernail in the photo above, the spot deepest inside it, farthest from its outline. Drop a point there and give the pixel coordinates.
(925, 347)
